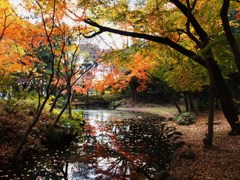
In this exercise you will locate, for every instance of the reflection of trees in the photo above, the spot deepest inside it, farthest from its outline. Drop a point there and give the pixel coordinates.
(52, 168)
(133, 145)
(110, 150)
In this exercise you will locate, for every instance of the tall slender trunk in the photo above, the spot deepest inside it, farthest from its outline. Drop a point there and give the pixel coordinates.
(70, 105)
(186, 102)
(228, 107)
(87, 99)
(191, 104)
(227, 29)
(176, 105)
(65, 106)
(29, 129)
(208, 140)
(56, 99)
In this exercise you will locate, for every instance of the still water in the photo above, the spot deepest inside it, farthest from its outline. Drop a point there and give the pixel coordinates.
(114, 145)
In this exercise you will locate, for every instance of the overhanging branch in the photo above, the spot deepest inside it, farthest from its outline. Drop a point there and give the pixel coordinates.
(157, 39)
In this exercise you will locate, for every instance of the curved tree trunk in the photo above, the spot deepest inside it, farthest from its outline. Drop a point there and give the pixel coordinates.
(227, 29)
(29, 129)
(176, 105)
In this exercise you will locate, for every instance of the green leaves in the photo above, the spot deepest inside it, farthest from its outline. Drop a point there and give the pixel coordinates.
(185, 118)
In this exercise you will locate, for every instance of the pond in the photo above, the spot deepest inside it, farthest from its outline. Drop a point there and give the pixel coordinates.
(114, 145)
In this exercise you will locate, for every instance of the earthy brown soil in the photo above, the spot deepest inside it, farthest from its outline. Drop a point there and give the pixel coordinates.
(12, 129)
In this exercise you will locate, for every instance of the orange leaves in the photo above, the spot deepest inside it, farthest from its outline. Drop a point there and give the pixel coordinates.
(238, 14)
(139, 66)
(119, 74)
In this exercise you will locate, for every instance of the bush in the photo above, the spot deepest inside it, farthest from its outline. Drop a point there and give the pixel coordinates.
(68, 129)
(16, 106)
(185, 118)
(75, 122)
(23, 103)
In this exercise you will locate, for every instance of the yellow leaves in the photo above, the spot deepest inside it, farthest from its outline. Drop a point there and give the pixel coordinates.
(5, 6)
(187, 77)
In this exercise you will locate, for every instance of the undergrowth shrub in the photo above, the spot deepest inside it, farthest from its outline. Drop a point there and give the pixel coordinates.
(23, 104)
(69, 129)
(185, 118)
(75, 122)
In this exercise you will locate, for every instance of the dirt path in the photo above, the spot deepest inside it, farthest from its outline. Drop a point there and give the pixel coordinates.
(220, 162)
(164, 111)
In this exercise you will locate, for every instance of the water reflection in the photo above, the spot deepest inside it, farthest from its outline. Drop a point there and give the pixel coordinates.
(115, 145)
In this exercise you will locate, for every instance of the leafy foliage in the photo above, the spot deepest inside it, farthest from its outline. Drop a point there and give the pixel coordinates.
(185, 118)
(74, 122)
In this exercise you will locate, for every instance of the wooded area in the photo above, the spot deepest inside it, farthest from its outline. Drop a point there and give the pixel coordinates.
(56, 55)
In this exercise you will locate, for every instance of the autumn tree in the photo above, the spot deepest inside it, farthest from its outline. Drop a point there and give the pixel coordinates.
(48, 16)
(77, 62)
(124, 66)
(176, 24)
(229, 35)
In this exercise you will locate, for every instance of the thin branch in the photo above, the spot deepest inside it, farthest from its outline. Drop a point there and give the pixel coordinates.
(203, 36)
(5, 26)
(188, 32)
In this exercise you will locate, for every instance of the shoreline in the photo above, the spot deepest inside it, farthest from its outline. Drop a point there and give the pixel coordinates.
(192, 161)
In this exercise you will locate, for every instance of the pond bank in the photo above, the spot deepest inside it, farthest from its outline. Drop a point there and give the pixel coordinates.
(192, 161)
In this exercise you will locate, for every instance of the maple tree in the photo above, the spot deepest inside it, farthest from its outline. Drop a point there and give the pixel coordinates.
(152, 23)
(74, 67)
(122, 68)
(15, 35)
(44, 54)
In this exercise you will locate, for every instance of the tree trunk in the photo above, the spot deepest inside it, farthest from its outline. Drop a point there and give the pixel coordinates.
(29, 129)
(176, 105)
(208, 140)
(227, 29)
(191, 105)
(133, 86)
(65, 106)
(70, 105)
(55, 99)
(70, 109)
(87, 99)
(186, 102)
(228, 107)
